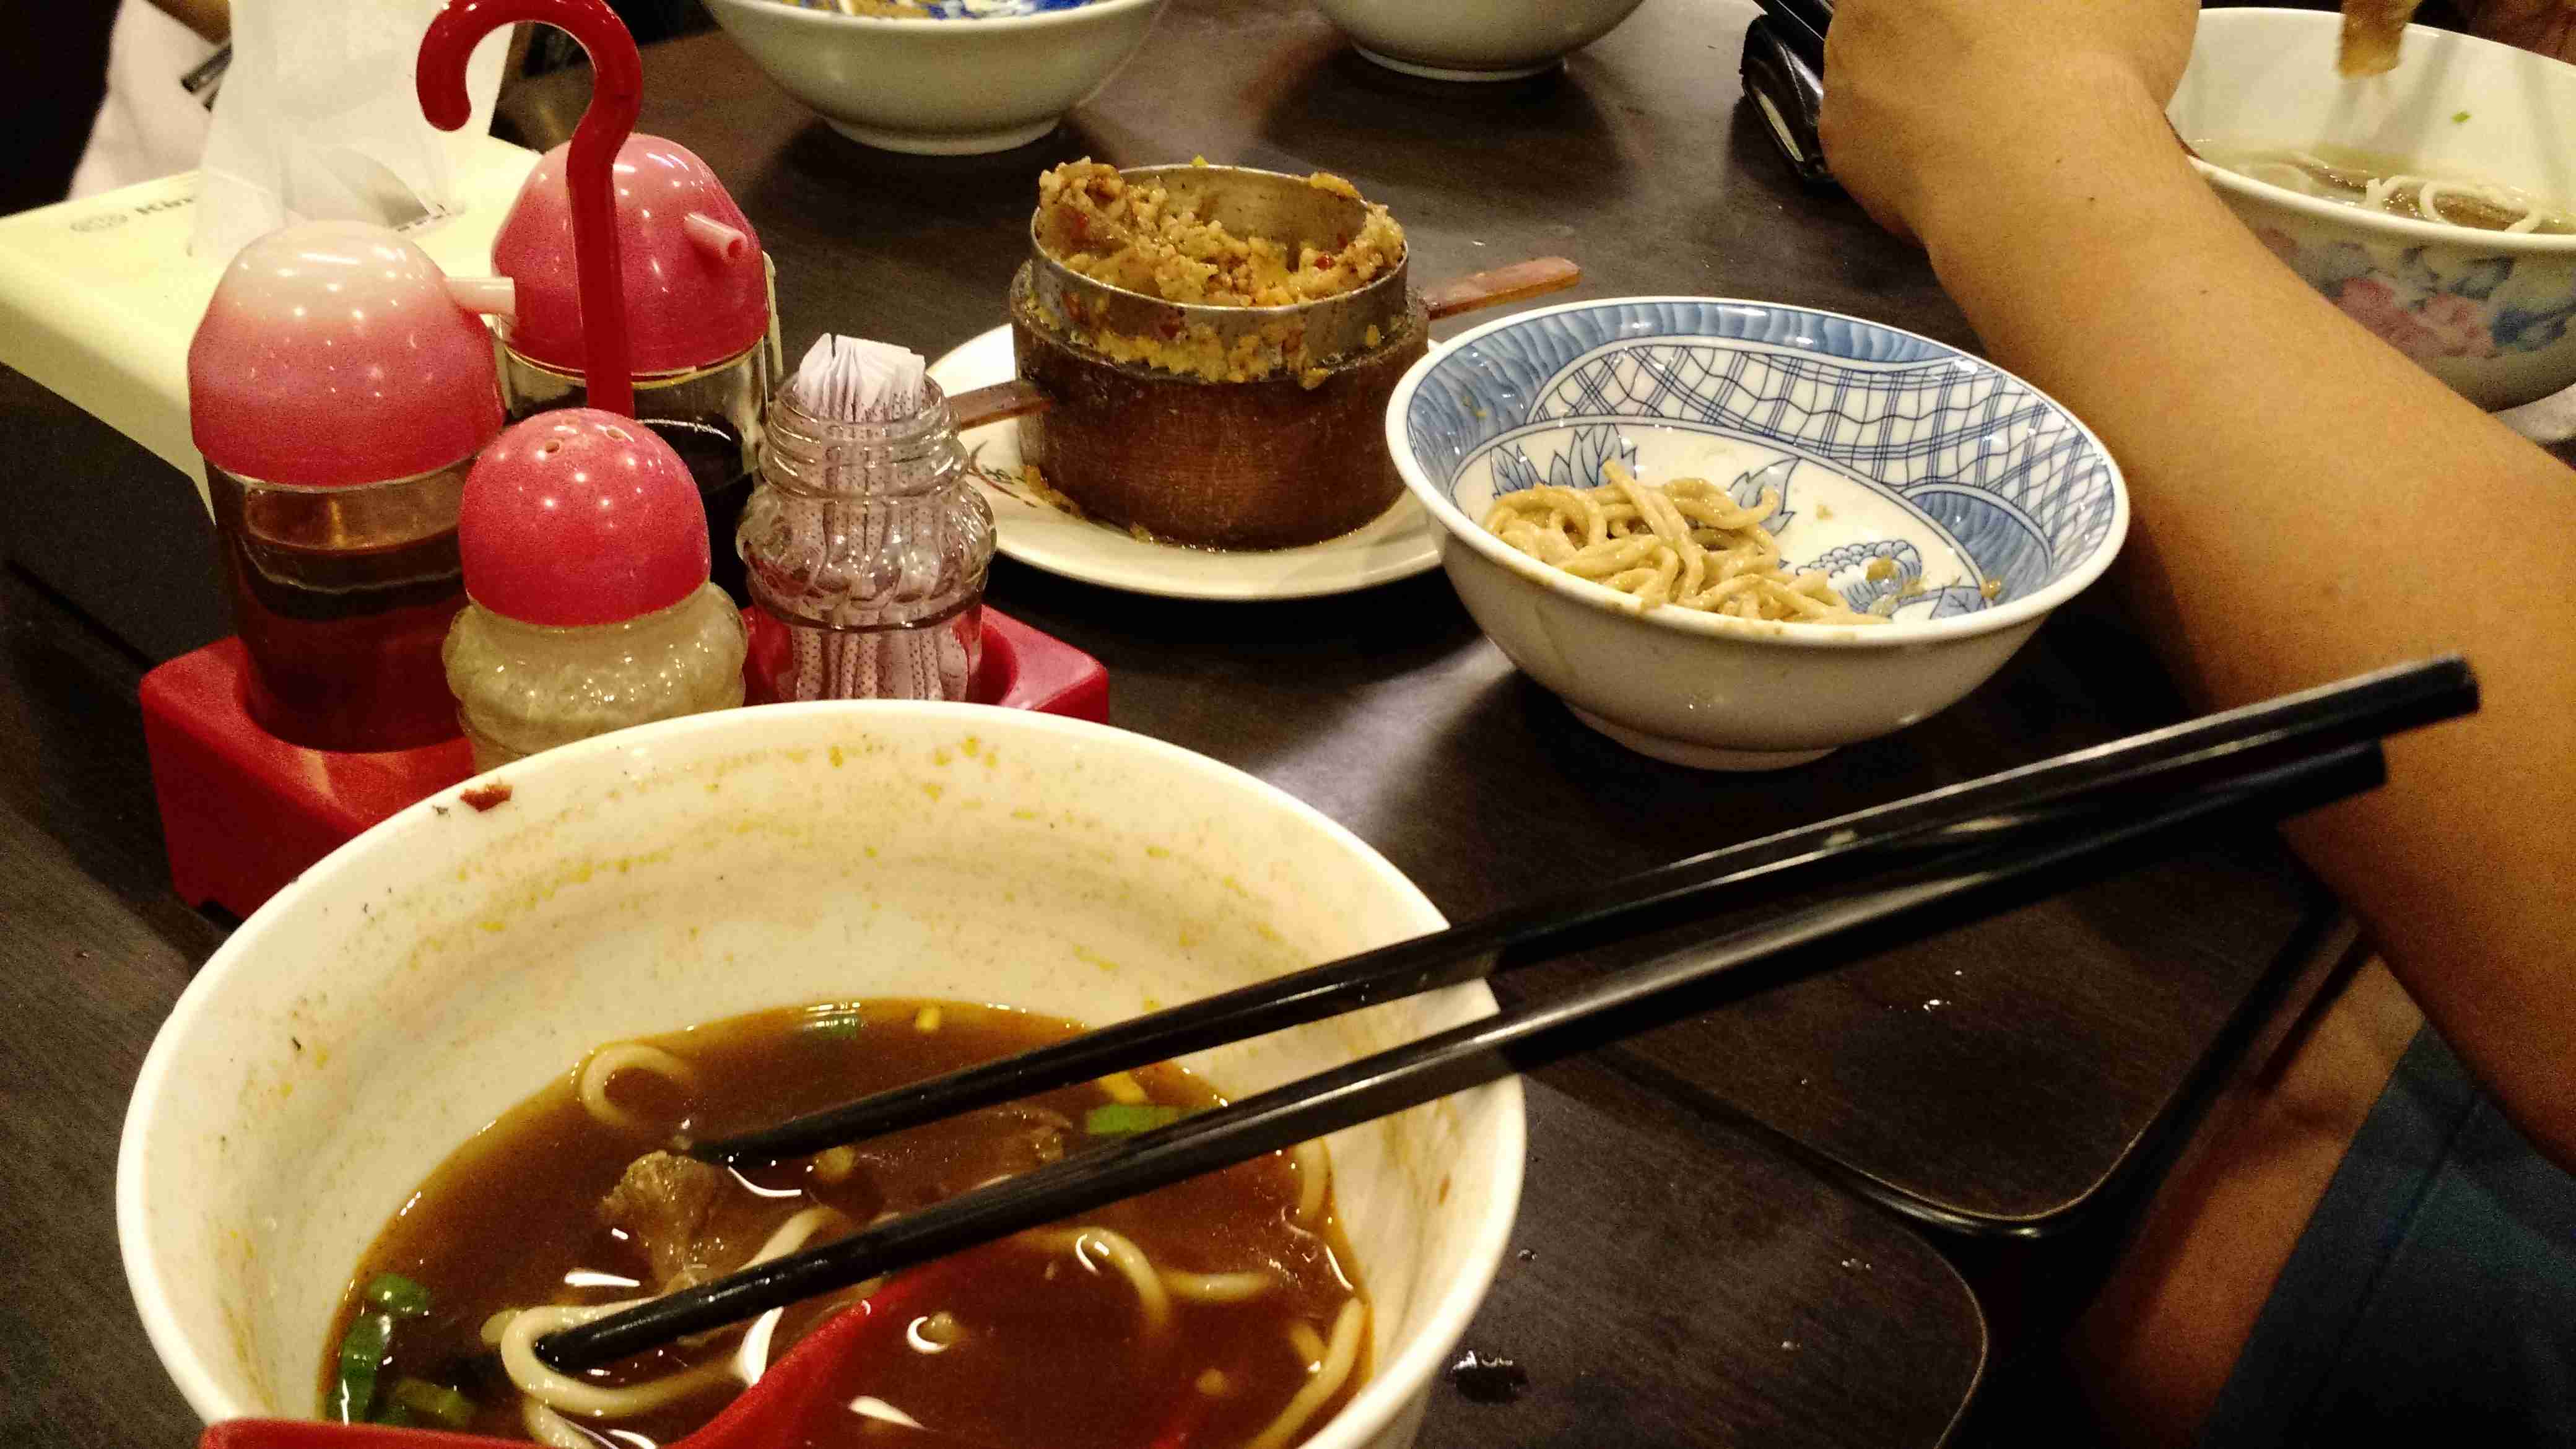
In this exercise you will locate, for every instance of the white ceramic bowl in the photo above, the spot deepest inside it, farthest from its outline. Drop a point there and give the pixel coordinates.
(2485, 312)
(940, 87)
(449, 963)
(1883, 444)
(1473, 40)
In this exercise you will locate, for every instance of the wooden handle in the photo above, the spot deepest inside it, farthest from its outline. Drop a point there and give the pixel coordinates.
(1013, 399)
(1521, 280)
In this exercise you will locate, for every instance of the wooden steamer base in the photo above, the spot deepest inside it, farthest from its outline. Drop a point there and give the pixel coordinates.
(1262, 464)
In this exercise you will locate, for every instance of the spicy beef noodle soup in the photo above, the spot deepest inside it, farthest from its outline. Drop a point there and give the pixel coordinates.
(1219, 1313)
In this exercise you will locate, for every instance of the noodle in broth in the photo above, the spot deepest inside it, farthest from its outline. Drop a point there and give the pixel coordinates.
(2385, 184)
(1226, 1305)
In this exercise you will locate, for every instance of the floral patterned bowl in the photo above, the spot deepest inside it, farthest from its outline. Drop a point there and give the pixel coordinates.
(2486, 312)
(1902, 468)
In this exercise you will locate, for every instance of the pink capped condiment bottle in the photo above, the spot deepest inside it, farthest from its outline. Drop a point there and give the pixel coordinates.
(697, 315)
(585, 553)
(339, 393)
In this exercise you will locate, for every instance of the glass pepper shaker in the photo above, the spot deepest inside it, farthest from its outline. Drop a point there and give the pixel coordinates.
(865, 548)
(698, 314)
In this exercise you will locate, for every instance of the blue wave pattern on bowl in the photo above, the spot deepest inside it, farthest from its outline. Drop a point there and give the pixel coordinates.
(1979, 456)
(957, 9)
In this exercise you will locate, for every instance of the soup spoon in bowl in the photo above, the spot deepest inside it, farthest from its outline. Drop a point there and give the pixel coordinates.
(798, 1394)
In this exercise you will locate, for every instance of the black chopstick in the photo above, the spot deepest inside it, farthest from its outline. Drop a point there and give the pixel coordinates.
(1976, 882)
(1833, 851)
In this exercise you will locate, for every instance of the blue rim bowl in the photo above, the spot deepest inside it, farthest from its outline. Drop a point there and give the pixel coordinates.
(1977, 464)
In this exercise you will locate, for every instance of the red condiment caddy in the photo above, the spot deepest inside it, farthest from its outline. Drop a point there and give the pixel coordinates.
(244, 812)
(339, 375)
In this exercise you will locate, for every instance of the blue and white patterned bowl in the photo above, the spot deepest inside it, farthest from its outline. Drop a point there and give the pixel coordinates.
(1995, 504)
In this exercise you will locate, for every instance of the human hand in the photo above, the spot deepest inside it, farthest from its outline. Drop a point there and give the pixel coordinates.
(1922, 95)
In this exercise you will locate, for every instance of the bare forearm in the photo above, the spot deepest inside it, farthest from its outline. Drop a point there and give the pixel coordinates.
(2310, 504)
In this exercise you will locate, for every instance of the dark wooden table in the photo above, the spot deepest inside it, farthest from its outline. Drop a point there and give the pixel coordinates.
(1993, 1080)
(1692, 1271)
(1779, 1312)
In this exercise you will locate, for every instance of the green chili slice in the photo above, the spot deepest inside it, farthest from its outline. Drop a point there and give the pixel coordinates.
(397, 1295)
(362, 1352)
(1118, 1119)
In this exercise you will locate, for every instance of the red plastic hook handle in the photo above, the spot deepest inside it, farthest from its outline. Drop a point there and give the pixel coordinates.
(616, 95)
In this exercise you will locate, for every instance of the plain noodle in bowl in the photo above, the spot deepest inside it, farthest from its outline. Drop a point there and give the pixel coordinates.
(2391, 185)
(1685, 543)
(1904, 469)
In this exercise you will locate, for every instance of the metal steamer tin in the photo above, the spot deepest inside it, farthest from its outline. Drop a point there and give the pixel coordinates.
(1285, 445)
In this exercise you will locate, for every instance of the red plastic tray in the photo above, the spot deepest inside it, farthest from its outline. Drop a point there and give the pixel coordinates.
(244, 812)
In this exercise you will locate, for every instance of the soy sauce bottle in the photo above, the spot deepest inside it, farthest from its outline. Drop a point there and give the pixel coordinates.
(698, 313)
(339, 393)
